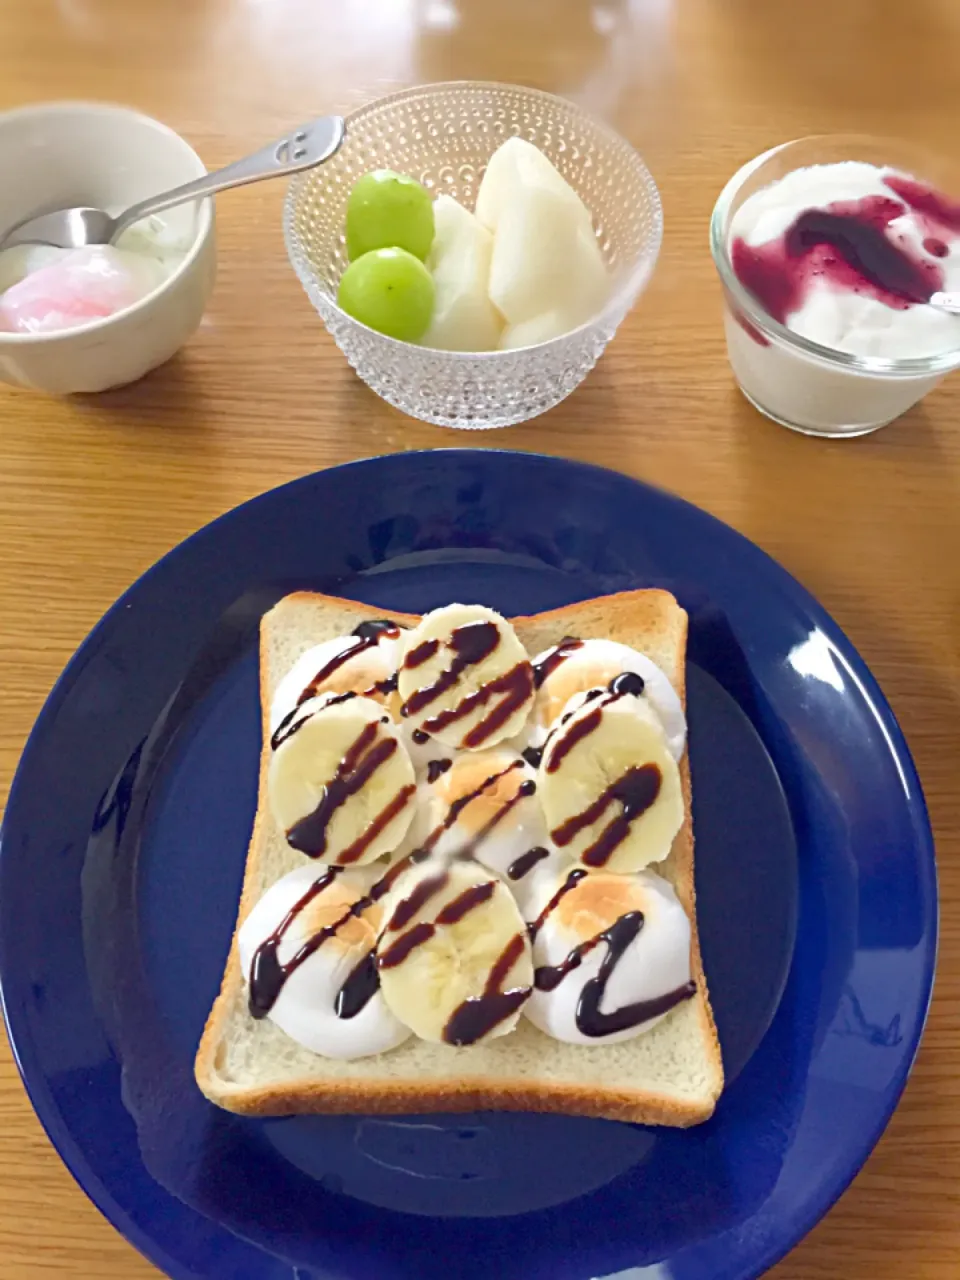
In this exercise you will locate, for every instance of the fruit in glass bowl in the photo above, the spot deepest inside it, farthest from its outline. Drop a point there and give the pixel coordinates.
(388, 210)
(389, 290)
(526, 263)
(445, 136)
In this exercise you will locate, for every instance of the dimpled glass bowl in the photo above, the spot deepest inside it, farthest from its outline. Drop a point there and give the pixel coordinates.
(443, 135)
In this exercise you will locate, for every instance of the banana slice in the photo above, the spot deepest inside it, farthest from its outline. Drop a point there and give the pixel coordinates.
(341, 786)
(454, 956)
(609, 787)
(465, 678)
(576, 666)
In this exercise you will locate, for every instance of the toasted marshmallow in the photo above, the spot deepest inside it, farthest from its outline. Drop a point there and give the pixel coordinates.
(593, 664)
(367, 667)
(501, 822)
(654, 964)
(306, 1006)
(485, 804)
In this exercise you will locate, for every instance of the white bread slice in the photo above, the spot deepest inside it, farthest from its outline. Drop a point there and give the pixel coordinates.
(670, 1075)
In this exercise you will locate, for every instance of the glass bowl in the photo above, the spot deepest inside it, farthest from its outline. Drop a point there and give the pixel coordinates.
(797, 382)
(443, 135)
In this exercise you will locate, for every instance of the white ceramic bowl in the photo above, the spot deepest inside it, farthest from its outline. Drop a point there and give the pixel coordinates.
(57, 154)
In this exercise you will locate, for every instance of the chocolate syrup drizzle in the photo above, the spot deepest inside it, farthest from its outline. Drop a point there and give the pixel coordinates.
(478, 1015)
(416, 900)
(516, 686)
(572, 880)
(636, 790)
(526, 789)
(590, 1019)
(626, 684)
(362, 760)
(268, 975)
(580, 729)
(405, 945)
(471, 644)
(547, 977)
(421, 654)
(367, 635)
(361, 986)
(554, 658)
(458, 806)
(465, 902)
(452, 913)
(376, 628)
(523, 865)
(436, 769)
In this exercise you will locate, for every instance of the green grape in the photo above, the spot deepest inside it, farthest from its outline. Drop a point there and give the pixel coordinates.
(386, 210)
(391, 291)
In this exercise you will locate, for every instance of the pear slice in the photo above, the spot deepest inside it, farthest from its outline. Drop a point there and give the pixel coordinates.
(464, 319)
(519, 164)
(546, 258)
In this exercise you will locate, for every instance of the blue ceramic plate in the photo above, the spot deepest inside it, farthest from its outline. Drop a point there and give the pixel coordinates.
(123, 850)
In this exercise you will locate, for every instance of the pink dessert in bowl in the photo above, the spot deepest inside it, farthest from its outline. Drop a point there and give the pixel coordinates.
(61, 288)
(829, 250)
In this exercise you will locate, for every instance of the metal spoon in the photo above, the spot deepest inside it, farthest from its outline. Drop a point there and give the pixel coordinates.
(301, 149)
(949, 302)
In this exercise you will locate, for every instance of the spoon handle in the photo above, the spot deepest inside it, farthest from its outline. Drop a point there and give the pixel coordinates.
(300, 149)
(949, 302)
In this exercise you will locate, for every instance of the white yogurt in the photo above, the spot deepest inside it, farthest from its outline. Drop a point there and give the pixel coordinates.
(817, 291)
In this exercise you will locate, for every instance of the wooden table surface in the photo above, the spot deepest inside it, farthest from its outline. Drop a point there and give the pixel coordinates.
(93, 491)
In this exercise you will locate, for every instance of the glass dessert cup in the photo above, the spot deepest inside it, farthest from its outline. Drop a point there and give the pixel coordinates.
(793, 380)
(444, 135)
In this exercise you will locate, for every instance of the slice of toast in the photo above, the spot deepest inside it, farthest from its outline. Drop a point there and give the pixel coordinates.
(670, 1075)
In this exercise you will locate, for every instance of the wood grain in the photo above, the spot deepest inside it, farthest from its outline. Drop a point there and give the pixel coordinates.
(92, 491)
